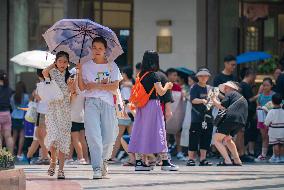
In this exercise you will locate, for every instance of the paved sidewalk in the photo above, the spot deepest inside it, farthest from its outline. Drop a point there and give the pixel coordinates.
(121, 178)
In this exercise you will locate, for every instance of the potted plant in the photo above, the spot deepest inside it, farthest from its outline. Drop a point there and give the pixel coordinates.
(6, 160)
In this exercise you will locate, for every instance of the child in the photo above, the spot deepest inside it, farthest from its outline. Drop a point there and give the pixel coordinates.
(125, 123)
(275, 121)
(77, 118)
(19, 100)
(262, 100)
(40, 127)
(172, 75)
(58, 117)
(200, 132)
(148, 133)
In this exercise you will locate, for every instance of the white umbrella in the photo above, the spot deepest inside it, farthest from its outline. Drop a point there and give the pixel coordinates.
(36, 59)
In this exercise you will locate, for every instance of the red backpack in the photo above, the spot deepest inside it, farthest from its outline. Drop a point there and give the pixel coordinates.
(139, 97)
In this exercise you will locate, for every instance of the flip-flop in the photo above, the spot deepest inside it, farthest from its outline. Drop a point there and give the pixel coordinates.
(224, 164)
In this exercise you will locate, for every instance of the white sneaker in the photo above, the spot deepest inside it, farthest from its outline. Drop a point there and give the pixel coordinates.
(69, 162)
(21, 157)
(261, 159)
(181, 157)
(105, 168)
(170, 167)
(274, 159)
(79, 162)
(97, 173)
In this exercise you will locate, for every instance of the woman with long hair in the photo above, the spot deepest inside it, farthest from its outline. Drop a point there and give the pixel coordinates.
(149, 133)
(58, 117)
(20, 99)
(5, 116)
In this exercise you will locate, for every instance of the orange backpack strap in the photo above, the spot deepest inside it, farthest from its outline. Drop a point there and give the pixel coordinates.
(140, 79)
(152, 90)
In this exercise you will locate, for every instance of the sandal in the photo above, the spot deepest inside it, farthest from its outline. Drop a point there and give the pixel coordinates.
(51, 169)
(128, 164)
(190, 163)
(222, 163)
(205, 163)
(60, 174)
(236, 164)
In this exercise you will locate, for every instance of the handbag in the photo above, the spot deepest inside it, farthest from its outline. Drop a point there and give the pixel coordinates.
(31, 114)
(49, 91)
(222, 113)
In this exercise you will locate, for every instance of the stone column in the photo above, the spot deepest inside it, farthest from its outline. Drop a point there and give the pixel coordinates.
(4, 35)
(18, 34)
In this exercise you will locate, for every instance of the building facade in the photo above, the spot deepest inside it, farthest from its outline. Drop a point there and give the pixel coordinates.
(187, 33)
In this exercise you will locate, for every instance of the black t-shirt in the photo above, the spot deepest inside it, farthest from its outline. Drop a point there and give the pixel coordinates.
(246, 91)
(222, 78)
(198, 110)
(148, 82)
(168, 96)
(279, 88)
(5, 95)
(237, 112)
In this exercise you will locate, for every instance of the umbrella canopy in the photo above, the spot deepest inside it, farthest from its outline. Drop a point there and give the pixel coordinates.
(36, 59)
(75, 36)
(252, 56)
(185, 70)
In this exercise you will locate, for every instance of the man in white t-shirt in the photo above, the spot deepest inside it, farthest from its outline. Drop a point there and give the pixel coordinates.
(99, 79)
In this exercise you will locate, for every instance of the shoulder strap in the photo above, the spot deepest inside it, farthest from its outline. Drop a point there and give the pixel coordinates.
(143, 75)
(235, 102)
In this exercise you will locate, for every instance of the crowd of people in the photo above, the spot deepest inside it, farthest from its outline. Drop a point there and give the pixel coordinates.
(165, 114)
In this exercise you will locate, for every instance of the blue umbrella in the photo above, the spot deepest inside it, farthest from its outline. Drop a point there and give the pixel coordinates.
(252, 57)
(75, 36)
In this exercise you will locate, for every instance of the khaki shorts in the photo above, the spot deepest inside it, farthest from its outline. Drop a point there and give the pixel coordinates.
(40, 122)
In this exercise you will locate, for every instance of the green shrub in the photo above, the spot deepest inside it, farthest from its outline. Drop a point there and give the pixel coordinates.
(6, 160)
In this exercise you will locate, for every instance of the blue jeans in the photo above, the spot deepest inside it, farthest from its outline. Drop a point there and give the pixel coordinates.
(101, 129)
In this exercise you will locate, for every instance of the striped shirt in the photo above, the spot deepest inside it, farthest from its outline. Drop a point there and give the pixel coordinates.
(275, 121)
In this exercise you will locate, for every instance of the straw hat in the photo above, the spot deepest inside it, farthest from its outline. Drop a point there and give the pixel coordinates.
(230, 84)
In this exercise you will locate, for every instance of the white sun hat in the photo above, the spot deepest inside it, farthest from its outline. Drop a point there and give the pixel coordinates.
(203, 72)
(230, 84)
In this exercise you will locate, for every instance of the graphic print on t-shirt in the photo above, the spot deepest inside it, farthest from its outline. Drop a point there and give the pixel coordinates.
(103, 77)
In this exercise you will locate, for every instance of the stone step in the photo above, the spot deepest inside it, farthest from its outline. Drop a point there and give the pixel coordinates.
(34, 182)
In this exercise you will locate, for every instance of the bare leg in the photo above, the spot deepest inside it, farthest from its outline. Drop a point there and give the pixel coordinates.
(84, 146)
(77, 145)
(117, 142)
(32, 149)
(276, 150)
(125, 147)
(177, 139)
(218, 138)
(40, 134)
(240, 143)
(202, 154)
(21, 142)
(191, 155)
(9, 140)
(265, 139)
(61, 158)
(233, 149)
(281, 150)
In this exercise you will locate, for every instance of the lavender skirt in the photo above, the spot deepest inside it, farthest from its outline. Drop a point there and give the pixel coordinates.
(148, 134)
